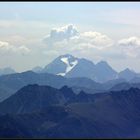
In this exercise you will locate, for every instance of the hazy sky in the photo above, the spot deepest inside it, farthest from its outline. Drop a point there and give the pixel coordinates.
(34, 33)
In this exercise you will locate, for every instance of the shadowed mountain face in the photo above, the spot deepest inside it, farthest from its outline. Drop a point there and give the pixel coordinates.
(45, 112)
(135, 80)
(125, 86)
(84, 68)
(104, 72)
(127, 74)
(32, 98)
(9, 84)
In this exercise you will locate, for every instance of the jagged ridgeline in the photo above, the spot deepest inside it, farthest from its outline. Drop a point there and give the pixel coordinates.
(45, 112)
(70, 66)
(70, 98)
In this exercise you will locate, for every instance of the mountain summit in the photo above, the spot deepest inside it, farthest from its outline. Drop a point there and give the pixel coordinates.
(127, 74)
(70, 66)
(105, 72)
(61, 65)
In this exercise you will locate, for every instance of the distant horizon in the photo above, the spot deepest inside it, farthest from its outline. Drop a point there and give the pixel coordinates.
(33, 34)
(73, 56)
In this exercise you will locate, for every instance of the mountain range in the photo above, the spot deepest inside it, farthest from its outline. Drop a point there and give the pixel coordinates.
(11, 83)
(79, 77)
(70, 66)
(70, 98)
(45, 112)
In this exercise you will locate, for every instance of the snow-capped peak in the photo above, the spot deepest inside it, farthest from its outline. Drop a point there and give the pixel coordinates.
(70, 64)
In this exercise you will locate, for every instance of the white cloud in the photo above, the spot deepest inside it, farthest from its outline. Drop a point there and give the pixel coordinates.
(3, 44)
(69, 35)
(6, 47)
(23, 49)
(92, 45)
(131, 42)
(61, 34)
(16, 40)
(92, 40)
(130, 46)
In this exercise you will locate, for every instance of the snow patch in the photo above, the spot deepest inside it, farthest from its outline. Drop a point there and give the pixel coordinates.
(61, 74)
(70, 65)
